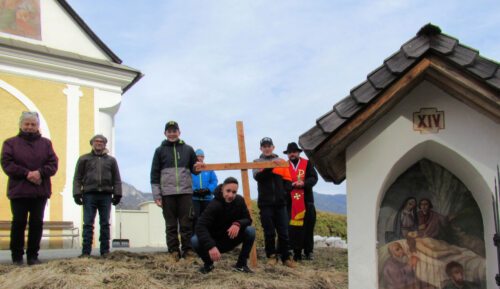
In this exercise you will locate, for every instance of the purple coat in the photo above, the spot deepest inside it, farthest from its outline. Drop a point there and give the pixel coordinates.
(24, 153)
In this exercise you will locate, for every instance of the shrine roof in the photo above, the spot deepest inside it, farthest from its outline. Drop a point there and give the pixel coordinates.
(442, 54)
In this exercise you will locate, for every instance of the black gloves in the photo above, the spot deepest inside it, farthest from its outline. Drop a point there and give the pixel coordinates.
(201, 192)
(78, 199)
(116, 200)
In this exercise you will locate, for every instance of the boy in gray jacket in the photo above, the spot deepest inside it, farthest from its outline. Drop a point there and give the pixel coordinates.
(173, 163)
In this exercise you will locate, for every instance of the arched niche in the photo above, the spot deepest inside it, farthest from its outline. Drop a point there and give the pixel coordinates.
(429, 224)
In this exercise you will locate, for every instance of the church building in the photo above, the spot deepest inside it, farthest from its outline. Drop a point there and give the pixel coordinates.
(418, 143)
(51, 62)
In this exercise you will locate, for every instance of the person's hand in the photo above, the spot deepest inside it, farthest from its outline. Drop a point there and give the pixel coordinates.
(159, 203)
(279, 161)
(34, 177)
(78, 199)
(116, 200)
(233, 231)
(299, 184)
(198, 166)
(214, 254)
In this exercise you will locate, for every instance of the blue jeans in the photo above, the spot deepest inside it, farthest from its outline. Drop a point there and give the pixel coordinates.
(93, 202)
(274, 219)
(225, 244)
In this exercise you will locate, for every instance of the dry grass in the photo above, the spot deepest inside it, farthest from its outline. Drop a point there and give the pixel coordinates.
(152, 270)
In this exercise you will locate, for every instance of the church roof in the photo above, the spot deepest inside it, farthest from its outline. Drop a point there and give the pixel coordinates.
(430, 55)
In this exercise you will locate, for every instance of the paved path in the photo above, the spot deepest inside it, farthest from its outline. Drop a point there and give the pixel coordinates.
(51, 254)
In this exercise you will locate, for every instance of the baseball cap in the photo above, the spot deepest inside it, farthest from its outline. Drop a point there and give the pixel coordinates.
(266, 140)
(199, 152)
(171, 124)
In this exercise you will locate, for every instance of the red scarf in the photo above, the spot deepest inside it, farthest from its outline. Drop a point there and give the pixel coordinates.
(298, 211)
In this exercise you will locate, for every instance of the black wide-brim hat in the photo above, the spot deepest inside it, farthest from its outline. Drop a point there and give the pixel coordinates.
(292, 147)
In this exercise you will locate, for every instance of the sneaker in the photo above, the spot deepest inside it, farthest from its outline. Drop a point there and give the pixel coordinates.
(34, 261)
(290, 263)
(243, 269)
(189, 255)
(205, 269)
(272, 260)
(174, 256)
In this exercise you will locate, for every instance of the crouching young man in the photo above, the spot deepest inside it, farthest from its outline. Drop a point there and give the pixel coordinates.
(222, 226)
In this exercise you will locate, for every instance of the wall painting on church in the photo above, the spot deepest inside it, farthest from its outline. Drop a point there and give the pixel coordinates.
(430, 232)
(21, 17)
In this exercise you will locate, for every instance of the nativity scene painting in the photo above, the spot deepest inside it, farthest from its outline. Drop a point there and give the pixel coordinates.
(430, 232)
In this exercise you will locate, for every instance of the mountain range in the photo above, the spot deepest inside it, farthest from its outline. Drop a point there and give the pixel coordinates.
(133, 197)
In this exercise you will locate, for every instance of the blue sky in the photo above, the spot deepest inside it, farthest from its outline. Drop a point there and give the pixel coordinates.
(275, 65)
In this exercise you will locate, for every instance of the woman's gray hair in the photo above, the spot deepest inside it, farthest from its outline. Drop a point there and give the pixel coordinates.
(27, 115)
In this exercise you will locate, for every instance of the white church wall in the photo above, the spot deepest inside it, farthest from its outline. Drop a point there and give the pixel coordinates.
(468, 146)
(59, 31)
(143, 228)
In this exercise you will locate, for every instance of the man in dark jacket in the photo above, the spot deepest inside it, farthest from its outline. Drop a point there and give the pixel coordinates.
(273, 186)
(96, 185)
(223, 225)
(173, 163)
(29, 161)
(301, 203)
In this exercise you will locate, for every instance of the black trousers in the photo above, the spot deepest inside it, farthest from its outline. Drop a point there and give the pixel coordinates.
(22, 208)
(178, 213)
(274, 220)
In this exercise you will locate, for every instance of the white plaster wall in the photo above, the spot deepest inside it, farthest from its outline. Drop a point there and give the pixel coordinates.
(144, 228)
(469, 147)
(59, 31)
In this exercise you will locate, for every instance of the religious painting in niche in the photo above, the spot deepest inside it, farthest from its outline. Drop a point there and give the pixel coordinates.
(430, 232)
(21, 17)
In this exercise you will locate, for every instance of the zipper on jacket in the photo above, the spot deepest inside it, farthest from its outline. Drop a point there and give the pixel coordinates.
(99, 170)
(176, 170)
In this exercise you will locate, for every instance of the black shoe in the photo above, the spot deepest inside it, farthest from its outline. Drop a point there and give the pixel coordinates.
(18, 262)
(34, 261)
(243, 269)
(84, 255)
(105, 255)
(297, 257)
(205, 269)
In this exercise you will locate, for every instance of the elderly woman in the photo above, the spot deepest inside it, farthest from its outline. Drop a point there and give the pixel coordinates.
(29, 161)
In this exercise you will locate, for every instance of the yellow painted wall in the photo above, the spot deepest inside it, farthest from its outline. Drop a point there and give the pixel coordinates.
(48, 96)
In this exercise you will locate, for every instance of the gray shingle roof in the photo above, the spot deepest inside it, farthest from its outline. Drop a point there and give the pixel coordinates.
(429, 40)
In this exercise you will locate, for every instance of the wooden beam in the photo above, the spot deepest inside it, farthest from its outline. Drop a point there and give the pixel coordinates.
(245, 183)
(242, 166)
(465, 88)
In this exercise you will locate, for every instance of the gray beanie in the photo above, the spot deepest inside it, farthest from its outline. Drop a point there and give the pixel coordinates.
(98, 136)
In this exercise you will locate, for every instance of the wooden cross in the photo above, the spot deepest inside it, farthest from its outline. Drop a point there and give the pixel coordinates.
(244, 166)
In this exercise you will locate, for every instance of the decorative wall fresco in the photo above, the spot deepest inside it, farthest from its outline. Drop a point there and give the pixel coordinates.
(21, 17)
(430, 232)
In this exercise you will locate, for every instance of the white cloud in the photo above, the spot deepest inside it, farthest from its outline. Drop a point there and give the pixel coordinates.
(276, 65)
